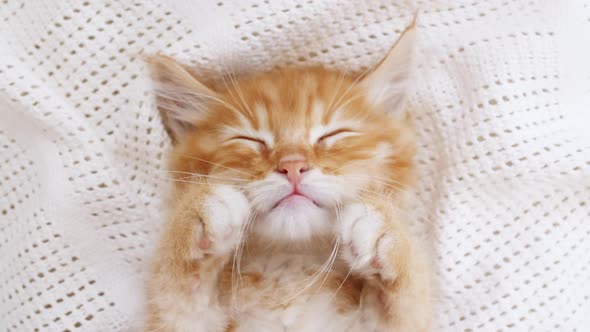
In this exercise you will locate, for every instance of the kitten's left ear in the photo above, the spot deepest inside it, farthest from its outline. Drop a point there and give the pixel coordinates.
(180, 97)
(388, 83)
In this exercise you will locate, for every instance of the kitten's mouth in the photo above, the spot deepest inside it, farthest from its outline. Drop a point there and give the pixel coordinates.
(295, 199)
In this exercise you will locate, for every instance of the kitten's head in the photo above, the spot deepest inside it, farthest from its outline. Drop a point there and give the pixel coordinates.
(299, 142)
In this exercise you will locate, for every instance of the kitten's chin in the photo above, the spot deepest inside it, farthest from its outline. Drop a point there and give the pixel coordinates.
(294, 219)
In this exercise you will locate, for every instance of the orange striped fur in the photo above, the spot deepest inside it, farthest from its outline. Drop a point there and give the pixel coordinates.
(286, 188)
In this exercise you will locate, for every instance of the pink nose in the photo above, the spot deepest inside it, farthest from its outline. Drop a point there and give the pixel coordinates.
(293, 169)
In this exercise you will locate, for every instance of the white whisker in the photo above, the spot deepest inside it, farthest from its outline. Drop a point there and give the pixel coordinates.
(323, 270)
(215, 164)
(333, 257)
(345, 278)
(205, 182)
(205, 175)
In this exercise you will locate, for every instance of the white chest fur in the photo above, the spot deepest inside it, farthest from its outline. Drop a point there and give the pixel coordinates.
(293, 292)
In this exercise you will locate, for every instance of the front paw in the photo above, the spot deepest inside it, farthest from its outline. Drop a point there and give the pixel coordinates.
(367, 242)
(221, 218)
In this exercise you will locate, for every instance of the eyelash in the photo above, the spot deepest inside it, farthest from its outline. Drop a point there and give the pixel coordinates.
(333, 133)
(319, 140)
(251, 139)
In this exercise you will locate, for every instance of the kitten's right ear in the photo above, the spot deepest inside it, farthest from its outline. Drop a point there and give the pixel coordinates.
(387, 84)
(181, 99)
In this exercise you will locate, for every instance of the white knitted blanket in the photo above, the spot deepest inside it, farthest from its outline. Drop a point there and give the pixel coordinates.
(501, 102)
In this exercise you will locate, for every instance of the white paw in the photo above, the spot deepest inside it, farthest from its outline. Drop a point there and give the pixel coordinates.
(223, 215)
(365, 242)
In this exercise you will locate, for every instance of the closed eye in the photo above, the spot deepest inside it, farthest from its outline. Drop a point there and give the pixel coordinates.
(250, 139)
(336, 134)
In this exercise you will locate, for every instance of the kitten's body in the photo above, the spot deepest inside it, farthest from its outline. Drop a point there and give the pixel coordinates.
(288, 199)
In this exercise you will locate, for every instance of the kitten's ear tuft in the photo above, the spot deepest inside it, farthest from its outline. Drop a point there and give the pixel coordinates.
(388, 83)
(180, 97)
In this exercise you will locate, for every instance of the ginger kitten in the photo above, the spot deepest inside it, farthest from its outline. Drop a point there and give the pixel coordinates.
(288, 188)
